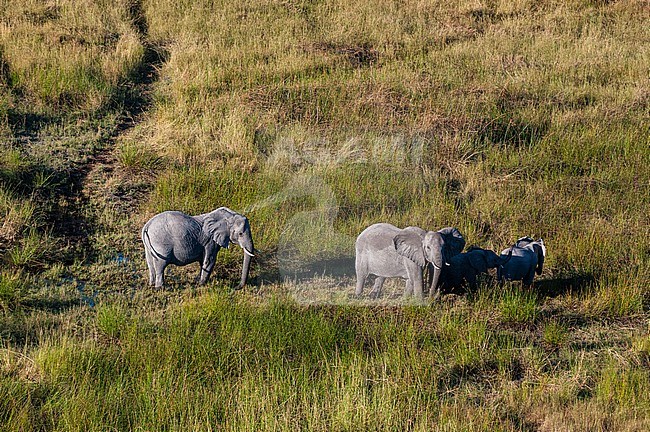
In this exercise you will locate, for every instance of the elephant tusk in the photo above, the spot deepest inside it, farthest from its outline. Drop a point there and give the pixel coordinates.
(435, 266)
(248, 253)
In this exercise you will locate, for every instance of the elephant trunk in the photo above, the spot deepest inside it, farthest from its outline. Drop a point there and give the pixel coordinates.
(438, 261)
(504, 261)
(434, 290)
(247, 245)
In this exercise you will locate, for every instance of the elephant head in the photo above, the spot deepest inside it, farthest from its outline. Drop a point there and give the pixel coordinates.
(225, 226)
(422, 248)
(454, 243)
(483, 259)
(538, 247)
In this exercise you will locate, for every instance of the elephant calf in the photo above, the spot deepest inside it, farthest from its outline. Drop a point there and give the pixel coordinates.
(465, 267)
(387, 251)
(527, 259)
(173, 237)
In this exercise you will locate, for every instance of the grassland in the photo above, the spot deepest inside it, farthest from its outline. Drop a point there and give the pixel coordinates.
(316, 119)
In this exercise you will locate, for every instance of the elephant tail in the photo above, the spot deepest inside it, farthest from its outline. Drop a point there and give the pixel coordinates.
(147, 244)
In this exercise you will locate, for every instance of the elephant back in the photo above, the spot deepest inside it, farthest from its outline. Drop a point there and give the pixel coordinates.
(378, 233)
(172, 225)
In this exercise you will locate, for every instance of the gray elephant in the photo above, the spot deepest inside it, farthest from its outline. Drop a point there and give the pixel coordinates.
(387, 251)
(527, 259)
(465, 267)
(173, 237)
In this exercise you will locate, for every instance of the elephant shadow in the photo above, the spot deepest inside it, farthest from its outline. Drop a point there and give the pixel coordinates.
(556, 287)
(269, 269)
(339, 267)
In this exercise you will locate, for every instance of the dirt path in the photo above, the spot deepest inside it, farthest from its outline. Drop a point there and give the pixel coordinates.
(98, 184)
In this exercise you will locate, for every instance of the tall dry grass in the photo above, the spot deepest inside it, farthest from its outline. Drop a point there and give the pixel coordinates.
(67, 55)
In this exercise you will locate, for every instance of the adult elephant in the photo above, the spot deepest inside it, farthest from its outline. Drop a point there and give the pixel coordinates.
(527, 260)
(387, 251)
(465, 267)
(173, 237)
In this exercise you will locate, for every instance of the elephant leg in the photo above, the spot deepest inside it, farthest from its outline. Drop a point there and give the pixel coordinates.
(361, 280)
(415, 277)
(408, 289)
(527, 281)
(471, 280)
(377, 286)
(159, 270)
(206, 268)
(150, 266)
(362, 274)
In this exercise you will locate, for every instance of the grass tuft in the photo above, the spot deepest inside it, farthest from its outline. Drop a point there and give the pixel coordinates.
(32, 251)
(617, 296)
(138, 158)
(17, 215)
(518, 305)
(555, 333)
(13, 289)
(112, 320)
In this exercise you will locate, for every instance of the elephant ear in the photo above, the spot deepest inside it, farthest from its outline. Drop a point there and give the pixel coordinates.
(524, 241)
(454, 241)
(478, 261)
(417, 230)
(540, 250)
(218, 230)
(409, 245)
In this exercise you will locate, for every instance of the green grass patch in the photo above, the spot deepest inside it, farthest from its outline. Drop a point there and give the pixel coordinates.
(225, 360)
(618, 296)
(627, 387)
(62, 57)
